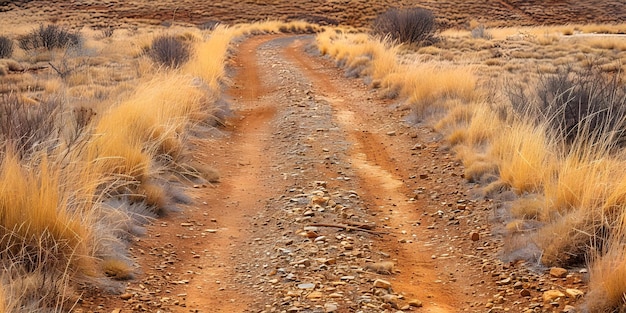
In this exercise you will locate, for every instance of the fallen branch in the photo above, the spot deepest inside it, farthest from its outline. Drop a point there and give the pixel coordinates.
(348, 227)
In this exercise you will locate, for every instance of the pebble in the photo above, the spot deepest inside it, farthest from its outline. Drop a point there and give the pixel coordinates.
(330, 307)
(552, 295)
(574, 293)
(381, 283)
(126, 296)
(558, 272)
(306, 286)
(416, 303)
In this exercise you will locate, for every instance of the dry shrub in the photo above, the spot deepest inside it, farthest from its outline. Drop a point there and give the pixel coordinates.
(412, 25)
(588, 106)
(169, 51)
(26, 126)
(6, 47)
(49, 37)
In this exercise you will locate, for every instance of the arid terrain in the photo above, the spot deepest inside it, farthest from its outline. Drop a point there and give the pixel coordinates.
(357, 13)
(340, 188)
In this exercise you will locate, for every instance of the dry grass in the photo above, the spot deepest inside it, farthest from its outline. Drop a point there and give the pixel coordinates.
(524, 156)
(574, 189)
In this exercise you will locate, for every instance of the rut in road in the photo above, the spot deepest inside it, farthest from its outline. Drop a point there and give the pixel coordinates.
(305, 149)
(311, 154)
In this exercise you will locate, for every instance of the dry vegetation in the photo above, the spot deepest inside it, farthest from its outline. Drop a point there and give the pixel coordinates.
(536, 116)
(96, 127)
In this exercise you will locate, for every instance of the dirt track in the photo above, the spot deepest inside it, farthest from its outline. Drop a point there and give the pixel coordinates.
(307, 149)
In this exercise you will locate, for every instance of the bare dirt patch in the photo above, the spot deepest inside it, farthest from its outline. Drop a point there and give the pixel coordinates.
(323, 182)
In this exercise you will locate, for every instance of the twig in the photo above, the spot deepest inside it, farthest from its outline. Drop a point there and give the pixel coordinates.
(348, 227)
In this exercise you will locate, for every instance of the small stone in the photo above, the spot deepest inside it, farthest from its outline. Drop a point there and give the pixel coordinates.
(416, 303)
(306, 286)
(330, 307)
(569, 309)
(558, 272)
(391, 299)
(186, 224)
(321, 201)
(309, 213)
(524, 293)
(423, 176)
(574, 293)
(505, 281)
(381, 283)
(391, 133)
(417, 146)
(315, 295)
(116, 311)
(552, 295)
(320, 238)
(347, 278)
(126, 296)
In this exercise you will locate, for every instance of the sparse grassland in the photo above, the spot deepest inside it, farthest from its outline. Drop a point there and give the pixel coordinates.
(554, 137)
(95, 130)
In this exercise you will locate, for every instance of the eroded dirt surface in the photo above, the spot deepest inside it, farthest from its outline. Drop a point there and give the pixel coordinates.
(329, 202)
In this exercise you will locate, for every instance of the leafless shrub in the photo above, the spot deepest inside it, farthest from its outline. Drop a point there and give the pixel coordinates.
(49, 37)
(481, 32)
(107, 32)
(209, 25)
(26, 126)
(413, 25)
(588, 106)
(6, 47)
(169, 51)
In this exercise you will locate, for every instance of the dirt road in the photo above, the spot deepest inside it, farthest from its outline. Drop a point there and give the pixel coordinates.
(324, 187)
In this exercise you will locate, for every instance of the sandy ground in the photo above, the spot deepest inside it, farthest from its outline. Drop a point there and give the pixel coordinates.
(321, 182)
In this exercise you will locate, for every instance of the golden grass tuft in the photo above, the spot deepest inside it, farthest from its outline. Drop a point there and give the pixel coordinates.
(528, 207)
(523, 153)
(607, 284)
(479, 170)
(117, 269)
(34, 215)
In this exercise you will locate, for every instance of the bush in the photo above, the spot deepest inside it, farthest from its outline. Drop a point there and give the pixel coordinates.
(49, 37)
(26, 127)
(169, 51)
(589, 106)
(481, 32)
(6, 47)
(413, 25)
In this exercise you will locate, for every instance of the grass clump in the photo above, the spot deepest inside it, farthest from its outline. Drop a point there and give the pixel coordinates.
(49, 37)
(6, 47)
(411, 26)
(169, 51)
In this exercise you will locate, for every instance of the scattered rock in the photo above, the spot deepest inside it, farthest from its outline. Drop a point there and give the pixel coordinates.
(126, 296)
(524, 293)
(380, 283)
(552, 295)
(569, 309)
(558, 272)
(574, 293)
(385, 268)
(330, 307)
(416, 303)
(391, 133)
(315, 295)
(306, 286)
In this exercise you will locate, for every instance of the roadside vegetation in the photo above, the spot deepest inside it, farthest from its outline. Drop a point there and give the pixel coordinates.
(536, 115)
(96, 127)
